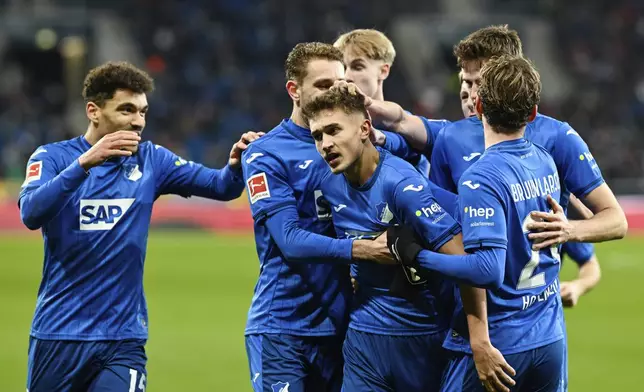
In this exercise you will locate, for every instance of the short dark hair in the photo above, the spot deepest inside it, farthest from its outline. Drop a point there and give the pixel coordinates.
(102, 82)
(336, 99)
(510, 89)
(300, 56)
(488, 42)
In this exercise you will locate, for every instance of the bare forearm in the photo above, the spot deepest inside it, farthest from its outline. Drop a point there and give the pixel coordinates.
(392, 116)
(475, 306)
(589, 275)
(605, 225)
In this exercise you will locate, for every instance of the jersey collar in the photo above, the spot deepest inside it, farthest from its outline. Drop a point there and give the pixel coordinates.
(515, 144)
(84, 143)
(304, 134)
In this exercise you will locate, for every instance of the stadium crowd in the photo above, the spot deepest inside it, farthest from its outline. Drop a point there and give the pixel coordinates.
(218, 70)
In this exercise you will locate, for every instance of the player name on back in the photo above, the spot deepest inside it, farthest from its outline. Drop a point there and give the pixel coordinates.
(536, 187)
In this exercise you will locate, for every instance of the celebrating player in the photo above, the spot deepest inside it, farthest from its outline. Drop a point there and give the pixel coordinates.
(369, 56)
(396, 328)
(299, 311)
(497, 196)
(92, 197)
(582, 253)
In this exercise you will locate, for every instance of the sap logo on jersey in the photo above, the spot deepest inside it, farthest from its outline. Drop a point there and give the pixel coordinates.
(102, 214)
(485, 213)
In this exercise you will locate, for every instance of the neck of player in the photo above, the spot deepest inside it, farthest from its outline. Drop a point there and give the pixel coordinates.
(298, 118)
(92, 135)
(363, 168)
(492, 137)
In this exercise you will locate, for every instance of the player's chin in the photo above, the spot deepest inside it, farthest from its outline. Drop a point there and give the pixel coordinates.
(336, 166)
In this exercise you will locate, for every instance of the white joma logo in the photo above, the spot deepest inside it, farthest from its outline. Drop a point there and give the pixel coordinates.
(413, 188)
(469, 184)
(254, 156)
(306, 164)
(472, 156)
(339, 207)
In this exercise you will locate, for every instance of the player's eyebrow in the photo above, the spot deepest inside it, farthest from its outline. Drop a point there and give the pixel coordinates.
(324, 129)
(128, 105)
(325, 82)
(330, 127)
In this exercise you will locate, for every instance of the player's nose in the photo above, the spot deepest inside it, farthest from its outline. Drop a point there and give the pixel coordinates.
(137, 123)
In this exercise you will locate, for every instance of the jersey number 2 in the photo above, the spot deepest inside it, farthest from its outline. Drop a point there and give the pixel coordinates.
(526, 279)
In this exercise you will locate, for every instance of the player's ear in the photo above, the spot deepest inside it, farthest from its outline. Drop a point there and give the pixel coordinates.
(365, 130)
(292, 90)
(93, 112)
(533, 113)
(478, 105)
(384, 71)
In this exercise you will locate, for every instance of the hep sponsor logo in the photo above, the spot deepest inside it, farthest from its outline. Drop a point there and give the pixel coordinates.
(429, 211)
(586, 156)
(485, 213)
(102, 214)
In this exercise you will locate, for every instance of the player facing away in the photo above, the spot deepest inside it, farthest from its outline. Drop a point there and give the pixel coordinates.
(497, 196)
(299, 311)
(582, 253)
(92, 197)
(396, 328)
(369, 56)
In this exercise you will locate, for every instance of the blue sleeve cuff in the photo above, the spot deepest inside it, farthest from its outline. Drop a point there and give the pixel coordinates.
(73, 176)
(345, 249)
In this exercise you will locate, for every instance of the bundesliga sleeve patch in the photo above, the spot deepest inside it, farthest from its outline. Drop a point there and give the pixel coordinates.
(258, 187)
(34, 172)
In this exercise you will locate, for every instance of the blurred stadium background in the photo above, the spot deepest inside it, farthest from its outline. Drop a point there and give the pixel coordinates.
(218, 68)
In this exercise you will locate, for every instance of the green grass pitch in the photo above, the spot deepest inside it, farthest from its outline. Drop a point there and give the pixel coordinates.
(199, 287)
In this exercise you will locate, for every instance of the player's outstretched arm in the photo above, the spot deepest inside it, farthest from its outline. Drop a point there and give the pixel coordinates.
(608, 223)
(297, 244)
(273, 204)
(397, 145)
(178, 176)
(579, 171)
(48, 187)
(391, 116)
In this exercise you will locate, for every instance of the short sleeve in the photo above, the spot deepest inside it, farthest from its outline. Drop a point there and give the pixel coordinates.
(482, 212)
(577, 167)
(415, 205)
(266, 182)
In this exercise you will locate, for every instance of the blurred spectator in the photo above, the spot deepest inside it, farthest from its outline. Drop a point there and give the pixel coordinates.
(218, 67)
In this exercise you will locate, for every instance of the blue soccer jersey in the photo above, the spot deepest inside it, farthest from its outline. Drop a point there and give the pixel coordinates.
(461, 143)
(396, 193)
(496, 196)
(95, 228)
(306, 297)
